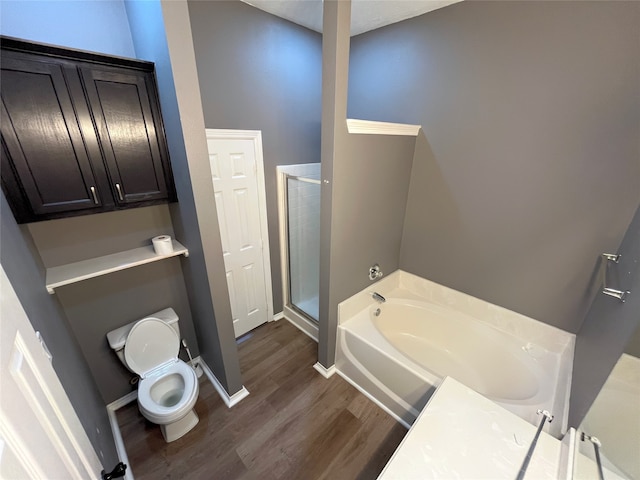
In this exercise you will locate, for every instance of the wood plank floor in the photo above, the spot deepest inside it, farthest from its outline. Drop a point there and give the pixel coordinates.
(295, 424)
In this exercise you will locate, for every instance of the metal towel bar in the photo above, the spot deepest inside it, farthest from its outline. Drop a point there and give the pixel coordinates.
(545, 416)
(596, 448)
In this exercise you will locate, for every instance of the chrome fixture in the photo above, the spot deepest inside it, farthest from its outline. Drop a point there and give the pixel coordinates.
(378, 298)
(194, 364)
(546, 416)
(375, 272)
(597, 445)
(184, 345)
(613, 292)
(612, 257)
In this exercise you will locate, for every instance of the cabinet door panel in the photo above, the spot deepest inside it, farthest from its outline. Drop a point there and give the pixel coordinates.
(42, 136)
(121, 107)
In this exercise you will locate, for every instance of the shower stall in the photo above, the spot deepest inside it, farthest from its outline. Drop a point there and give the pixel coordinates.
(299, 196)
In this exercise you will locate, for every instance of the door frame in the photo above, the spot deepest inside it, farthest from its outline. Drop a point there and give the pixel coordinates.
(256, 137)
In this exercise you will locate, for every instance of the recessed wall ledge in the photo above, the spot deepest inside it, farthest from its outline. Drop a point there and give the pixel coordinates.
(369, 127)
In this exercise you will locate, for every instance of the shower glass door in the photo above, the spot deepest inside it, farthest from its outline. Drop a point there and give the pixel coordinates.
(303, 225)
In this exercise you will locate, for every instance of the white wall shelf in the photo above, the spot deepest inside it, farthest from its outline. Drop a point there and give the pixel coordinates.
(95, 267)
(369, 127)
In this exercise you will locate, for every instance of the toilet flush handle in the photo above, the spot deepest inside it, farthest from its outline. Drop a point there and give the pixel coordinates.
(184, 344)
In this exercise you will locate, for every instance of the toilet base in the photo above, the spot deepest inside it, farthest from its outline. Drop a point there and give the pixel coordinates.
(173, 431)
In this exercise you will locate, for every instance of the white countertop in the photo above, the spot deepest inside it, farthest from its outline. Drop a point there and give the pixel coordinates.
(461, 434)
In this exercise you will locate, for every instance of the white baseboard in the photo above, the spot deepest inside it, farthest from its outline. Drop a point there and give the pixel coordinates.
(325, 372)
(122, 401)
(229, 400)
(301, 323)
(238, 396)
(374, 400)
(278, 316)
(115, 429)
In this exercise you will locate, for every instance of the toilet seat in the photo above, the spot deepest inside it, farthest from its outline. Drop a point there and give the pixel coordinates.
(150, 344)
(151, 351)
(160, 414)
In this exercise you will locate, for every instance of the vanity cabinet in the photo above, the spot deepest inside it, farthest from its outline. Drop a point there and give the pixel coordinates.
(81, 133)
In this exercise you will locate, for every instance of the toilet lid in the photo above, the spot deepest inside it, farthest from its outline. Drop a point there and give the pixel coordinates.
(150, 343)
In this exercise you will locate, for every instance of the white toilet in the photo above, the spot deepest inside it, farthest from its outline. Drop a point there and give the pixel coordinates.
(168, 387)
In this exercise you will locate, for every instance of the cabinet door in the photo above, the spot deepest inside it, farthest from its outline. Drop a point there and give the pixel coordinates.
(121, 104)
(43, 139)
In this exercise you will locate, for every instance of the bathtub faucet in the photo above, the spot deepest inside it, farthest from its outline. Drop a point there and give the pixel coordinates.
(378, 298)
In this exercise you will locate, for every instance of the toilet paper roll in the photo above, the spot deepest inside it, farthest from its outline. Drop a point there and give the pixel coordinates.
(162, 244)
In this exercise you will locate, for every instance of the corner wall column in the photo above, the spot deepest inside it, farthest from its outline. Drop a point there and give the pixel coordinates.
(335, 80)
(216, 336)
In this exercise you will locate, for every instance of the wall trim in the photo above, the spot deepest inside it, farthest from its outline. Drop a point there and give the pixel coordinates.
(301, 323)
(229, 400)
(115, 429)
(325, 372)
(278, 316)
(369, 127)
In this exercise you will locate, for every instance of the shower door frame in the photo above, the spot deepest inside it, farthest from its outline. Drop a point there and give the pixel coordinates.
(290, 311)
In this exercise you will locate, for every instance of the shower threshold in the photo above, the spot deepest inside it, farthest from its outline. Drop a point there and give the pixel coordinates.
(301, 320)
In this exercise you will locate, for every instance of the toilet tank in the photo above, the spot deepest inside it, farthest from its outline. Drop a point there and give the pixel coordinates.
(118, 337)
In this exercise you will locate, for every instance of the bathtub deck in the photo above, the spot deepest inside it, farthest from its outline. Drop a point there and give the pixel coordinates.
(294, 424)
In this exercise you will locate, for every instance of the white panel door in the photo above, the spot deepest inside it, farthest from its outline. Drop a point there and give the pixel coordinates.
(41, 436)
(239, 192)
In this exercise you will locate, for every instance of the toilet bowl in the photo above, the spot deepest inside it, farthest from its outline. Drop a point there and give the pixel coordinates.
(168, 387)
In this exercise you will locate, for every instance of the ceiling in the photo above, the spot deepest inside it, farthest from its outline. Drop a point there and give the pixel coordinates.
(365, 14)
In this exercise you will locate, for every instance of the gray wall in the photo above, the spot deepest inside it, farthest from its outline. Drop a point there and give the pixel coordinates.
(364, 201)
(162, 33)
(26, 273)
(94, 307)
(528, 167)
(370, 187)
(608, 327)
(260, 72)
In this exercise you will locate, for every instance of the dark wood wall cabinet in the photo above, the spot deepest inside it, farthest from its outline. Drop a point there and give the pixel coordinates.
(81, 132)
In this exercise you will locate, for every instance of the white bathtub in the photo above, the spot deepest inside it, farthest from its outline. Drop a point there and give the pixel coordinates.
(398, 352)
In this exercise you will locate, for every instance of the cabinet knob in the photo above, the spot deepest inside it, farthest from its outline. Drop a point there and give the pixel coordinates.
(119, 192)
(95, 196)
